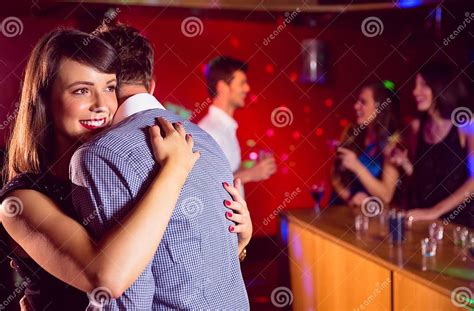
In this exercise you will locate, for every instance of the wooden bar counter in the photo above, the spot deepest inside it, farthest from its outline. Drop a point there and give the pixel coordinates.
(333, 267)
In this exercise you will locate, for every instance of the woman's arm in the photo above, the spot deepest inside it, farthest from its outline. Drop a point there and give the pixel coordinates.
(64, 248)
(384, 188)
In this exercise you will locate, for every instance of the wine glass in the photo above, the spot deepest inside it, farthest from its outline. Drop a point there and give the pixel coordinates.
(317, 193)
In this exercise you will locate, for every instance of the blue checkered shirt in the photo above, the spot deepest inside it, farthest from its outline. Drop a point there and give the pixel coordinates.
(196, 265)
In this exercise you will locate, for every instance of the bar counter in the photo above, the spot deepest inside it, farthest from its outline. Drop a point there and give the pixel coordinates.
(333, 267)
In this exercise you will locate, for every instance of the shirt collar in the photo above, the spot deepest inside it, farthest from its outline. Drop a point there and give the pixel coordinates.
(218, 113)
(134, 104)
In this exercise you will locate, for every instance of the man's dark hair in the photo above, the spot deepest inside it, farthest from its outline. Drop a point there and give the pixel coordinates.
(135, 53)
(222, 68)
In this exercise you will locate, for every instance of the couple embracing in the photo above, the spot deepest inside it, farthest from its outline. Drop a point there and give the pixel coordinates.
(112, 195)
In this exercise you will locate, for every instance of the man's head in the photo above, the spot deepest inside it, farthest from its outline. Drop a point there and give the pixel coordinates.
(136, 59)
(227, 81)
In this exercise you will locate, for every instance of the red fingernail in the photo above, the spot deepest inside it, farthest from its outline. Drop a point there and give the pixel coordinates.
(227, 203)
(190, 135)
(226, 184)
(231, 228)
(229, 214)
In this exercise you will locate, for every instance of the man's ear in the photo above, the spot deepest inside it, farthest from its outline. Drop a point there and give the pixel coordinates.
(151, 87)
(221, 87)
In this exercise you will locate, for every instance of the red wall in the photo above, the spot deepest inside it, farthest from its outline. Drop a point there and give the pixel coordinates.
(319, 112)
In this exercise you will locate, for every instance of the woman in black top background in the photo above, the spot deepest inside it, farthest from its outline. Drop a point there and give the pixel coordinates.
(442, 148)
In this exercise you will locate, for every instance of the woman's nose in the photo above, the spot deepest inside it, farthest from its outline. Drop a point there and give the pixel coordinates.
(100, 104)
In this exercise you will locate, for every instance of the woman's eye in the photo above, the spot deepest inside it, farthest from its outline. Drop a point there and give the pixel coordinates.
(111, 88)
(81, 91)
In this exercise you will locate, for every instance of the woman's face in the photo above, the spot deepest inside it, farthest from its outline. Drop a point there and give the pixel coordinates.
(423, 94)
(365, 107)
(83, 101)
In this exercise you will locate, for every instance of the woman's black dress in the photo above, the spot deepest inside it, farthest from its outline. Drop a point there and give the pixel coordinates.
(44, 291)
(439, 170)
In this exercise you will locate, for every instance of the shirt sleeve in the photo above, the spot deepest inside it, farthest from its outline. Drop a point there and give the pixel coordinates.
(105, 186)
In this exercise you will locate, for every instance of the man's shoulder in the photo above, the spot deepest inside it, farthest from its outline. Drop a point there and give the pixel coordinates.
(132, 132)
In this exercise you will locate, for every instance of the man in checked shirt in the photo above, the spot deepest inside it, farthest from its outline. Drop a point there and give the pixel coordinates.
(196, 264)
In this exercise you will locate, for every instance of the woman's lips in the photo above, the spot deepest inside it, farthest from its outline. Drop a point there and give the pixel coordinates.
(93, 124)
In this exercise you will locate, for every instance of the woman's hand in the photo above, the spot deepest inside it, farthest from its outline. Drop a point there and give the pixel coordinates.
(239, 214)
(25, 305)
(358, 198)
(422, 214)
(171, 145)
(399, 158)
(348, 158)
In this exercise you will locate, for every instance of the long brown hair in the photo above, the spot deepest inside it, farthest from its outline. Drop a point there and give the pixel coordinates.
(386, 126)
(31, 141)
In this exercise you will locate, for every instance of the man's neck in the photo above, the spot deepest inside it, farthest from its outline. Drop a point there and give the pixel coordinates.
(224, 106)
(128, 90)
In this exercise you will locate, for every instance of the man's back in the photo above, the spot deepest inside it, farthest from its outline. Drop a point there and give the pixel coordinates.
(196, 265)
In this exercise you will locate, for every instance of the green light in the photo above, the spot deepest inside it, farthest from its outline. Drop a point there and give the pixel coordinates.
(389, 85)
(248, 164)
(179, 110)
(460, 273)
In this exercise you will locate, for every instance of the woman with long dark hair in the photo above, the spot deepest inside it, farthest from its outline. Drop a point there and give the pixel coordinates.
(361, 169)
(442, 180)
(68, 95)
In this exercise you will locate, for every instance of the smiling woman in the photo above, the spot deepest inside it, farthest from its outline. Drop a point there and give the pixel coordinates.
(83, 99)
(57, 63)
(362, 169)
(72, 87)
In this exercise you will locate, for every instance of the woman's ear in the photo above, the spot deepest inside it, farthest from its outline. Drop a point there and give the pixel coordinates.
(151, 87)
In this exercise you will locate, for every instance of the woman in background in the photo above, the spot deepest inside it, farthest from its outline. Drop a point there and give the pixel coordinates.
(441, 149)
(361, 169)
